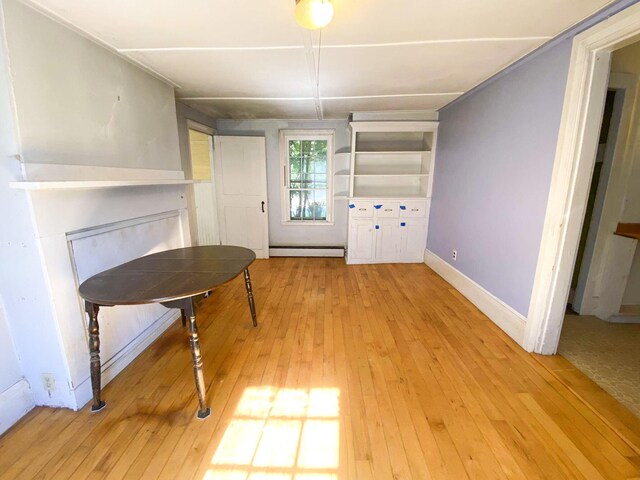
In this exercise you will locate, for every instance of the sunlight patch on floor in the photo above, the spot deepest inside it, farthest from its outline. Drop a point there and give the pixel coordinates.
(281, 434)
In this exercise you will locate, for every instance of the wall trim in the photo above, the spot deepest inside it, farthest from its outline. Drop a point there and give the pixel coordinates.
(571, 177)
(505, 317)
(117, 363)
(306, 251)
(15, 402)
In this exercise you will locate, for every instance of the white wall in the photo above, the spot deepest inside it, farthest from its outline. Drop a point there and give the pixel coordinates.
(279, 234)
(66, 100)
(106, 110)
(24, 301)
(10, 373)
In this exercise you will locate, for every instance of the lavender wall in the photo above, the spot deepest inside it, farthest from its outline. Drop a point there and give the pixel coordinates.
(492, 176)
(496, 148)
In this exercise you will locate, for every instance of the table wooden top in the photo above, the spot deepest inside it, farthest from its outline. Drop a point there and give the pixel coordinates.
(166, 276)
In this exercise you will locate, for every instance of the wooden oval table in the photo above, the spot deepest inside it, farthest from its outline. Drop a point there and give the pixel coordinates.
(172, 278)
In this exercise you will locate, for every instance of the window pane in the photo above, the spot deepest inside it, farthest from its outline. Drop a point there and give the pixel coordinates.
(308, 179)
(306, 147)
(294, 173)
(321, 164)
(307, 204)
(319, 204)
(294, 148)
(200, 155)
(295, 212)
(320, 181)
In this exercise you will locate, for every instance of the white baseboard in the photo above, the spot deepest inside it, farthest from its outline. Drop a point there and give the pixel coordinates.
(500, 313)
(623, 319)
(336, 252)
(15, 402)
(117, 363)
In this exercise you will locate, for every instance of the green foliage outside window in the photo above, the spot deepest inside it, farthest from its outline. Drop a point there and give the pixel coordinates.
(308, 179)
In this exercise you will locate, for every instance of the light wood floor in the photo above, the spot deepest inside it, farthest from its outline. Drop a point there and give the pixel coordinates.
(372, 371)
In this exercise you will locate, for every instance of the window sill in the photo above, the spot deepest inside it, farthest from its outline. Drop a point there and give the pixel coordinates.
(306, 223)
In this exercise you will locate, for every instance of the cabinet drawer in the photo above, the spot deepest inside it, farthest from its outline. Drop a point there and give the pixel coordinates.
(360, 209)
(413, 209)
(386, 209)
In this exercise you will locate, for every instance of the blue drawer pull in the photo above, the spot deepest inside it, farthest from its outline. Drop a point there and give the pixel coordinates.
(351, 205)
(403, 224)
(403, 207)
(377, 227)
(377, 207)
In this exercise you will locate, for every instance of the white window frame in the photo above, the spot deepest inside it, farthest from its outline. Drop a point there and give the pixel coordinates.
(285, 136)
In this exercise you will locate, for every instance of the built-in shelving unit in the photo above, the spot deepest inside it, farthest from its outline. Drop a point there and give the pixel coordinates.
(341, 176)
(392, 159)
(390, 177)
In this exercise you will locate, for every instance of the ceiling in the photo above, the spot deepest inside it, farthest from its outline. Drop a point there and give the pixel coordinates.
(249, 58)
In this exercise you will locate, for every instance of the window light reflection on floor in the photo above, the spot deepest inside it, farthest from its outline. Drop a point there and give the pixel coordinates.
(281, 434)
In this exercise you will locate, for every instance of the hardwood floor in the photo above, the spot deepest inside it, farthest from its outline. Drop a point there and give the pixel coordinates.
(364, 371)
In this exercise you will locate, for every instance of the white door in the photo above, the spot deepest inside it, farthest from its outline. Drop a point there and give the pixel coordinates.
(413, 239)
(240, 173)
(386, 235)
(361, 239)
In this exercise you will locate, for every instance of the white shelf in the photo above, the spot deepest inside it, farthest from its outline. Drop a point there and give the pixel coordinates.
(387, 192)
(393, 152)
(90, 184)
(392, 159)
(413, 175)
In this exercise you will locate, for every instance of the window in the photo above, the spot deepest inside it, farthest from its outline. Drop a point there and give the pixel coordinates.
(307, 159)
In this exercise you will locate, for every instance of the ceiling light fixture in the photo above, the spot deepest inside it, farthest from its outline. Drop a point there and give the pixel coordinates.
(313, 14)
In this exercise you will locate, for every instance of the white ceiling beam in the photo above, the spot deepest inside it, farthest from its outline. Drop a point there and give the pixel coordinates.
(309, 44)
(275, 99)
(351, 97)
(440, 42)
(393, 95)
(206, 49)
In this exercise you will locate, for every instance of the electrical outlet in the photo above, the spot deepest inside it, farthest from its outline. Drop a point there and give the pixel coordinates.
(454, 255)
(48, 381)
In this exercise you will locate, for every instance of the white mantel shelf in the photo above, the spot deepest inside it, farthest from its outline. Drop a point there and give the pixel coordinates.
(91, 184)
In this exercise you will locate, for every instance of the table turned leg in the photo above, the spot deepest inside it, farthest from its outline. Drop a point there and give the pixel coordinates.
(252, 305)
(94, 350)
(194, 340)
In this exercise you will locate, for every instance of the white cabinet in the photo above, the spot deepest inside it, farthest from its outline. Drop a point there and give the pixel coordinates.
(413, 239)
(387, 239)
(361, 240)
(392, 230)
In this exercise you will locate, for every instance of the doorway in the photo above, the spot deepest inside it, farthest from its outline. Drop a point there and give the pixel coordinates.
(584, 103)
(601, 329)
(202, 200)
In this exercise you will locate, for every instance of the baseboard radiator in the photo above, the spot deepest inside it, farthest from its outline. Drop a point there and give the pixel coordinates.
(305, 251)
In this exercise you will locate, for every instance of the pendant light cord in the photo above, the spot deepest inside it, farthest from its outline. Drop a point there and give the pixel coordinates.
(318, 68)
